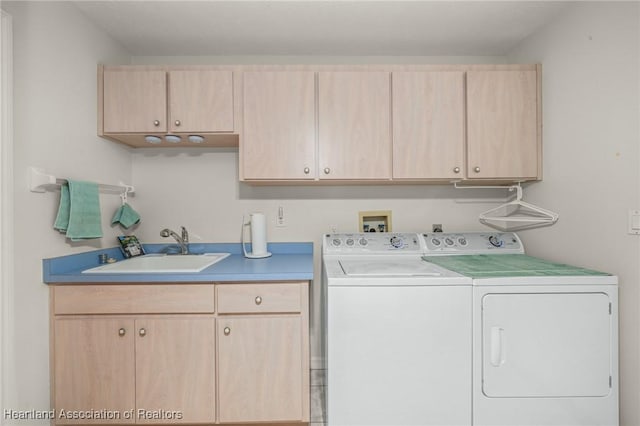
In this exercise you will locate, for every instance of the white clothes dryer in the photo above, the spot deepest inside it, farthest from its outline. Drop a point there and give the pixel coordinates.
(545, 335)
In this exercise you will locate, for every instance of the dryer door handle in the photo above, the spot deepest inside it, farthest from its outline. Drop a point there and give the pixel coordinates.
(497, 346)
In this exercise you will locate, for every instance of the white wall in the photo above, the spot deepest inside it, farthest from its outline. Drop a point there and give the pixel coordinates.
(56, 51)
(591, 89)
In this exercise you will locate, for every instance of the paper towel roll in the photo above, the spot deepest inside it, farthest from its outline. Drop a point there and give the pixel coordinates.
(258, 234)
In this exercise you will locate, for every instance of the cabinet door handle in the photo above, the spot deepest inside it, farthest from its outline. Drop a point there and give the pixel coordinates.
(177, 122)
(258, 300)
(142, 332)
(476, 169)
(456, 170)
(156, 123)
(327, 170)
(227, 331)
(306, 170)
(122, 332)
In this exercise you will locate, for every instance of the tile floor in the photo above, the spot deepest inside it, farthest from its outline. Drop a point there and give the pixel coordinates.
(318, 401)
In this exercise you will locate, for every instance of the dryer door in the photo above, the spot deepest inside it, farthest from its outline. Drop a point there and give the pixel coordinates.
(546, 345)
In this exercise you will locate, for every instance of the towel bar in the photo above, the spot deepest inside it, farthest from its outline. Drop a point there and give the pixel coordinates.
(39, 181)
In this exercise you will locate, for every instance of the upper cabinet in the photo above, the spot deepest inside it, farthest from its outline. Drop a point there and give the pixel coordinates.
(279, 125)
(200, 101)
(360, 123)
(428, 125)
(136, 102)
(503, 125)
(354, 125)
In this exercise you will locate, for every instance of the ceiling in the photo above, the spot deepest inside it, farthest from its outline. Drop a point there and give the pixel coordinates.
(313, 27)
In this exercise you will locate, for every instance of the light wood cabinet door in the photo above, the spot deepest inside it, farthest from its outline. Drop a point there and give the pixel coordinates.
(94, 368)
(175, 369)
(134, 101)
(260, 369)
(428, 125)
(502, 124)
(354, 125)
(200, 101)
(279, 125)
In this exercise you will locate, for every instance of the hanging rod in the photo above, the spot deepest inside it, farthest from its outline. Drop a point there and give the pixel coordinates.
(511, 188)
(39, 181)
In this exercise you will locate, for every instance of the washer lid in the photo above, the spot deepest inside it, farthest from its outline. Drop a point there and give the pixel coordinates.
(392, 267)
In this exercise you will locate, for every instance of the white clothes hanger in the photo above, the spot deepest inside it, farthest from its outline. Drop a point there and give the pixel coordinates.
(517, 214)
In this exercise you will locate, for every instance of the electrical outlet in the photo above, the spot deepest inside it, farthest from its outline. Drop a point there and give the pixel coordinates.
(280, 219)
(436, 227)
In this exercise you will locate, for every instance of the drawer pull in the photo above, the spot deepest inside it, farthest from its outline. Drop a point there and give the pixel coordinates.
(122, 332)
(142, 332)
(156, 123)
(258, 300)
(227, 331)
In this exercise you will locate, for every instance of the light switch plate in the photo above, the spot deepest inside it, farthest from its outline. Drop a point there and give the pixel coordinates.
(634, 222)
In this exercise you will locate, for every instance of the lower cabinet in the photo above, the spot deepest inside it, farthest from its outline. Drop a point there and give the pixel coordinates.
(147, 370)
(263, 359)
(139, 358)
(93, 369)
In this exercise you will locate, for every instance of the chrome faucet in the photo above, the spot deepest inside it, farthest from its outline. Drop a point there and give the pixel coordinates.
(182, 240)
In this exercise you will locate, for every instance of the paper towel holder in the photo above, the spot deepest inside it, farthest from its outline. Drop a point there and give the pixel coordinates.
(258, 225)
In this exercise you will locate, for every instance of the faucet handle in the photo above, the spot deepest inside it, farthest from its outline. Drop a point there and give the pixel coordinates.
(185, 235)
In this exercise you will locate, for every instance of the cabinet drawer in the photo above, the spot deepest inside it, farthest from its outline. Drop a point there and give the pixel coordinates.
(134, 299)
(258, 298)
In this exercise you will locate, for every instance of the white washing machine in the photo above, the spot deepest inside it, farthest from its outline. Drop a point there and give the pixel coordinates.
(398, 333)
(545, 335)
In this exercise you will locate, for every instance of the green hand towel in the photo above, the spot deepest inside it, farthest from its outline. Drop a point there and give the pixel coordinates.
(62, 219)
(79, 211)
(126, 216)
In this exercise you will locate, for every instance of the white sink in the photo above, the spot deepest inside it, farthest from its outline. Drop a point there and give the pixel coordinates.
(160, 263)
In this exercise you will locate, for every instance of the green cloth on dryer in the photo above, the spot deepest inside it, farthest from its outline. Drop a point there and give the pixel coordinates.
(507, 265)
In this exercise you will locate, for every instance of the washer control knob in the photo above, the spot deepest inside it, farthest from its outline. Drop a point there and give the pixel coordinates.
(448, 241)
(495, 241)
(436, 242)
(363, 241)
(350, 242)
(396, 242)
(336, 242)
(462, 241)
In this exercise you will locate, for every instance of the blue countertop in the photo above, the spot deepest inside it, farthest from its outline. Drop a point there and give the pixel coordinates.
(290, 261)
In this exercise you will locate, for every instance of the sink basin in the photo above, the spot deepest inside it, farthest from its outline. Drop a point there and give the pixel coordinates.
(160, 263)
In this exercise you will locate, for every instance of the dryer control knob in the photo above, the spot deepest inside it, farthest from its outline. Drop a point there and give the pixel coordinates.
(336, 242)
(449, 241)
(436, 242)
(396, 242)
(363, 241)
(350, 242)
(495, 241)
